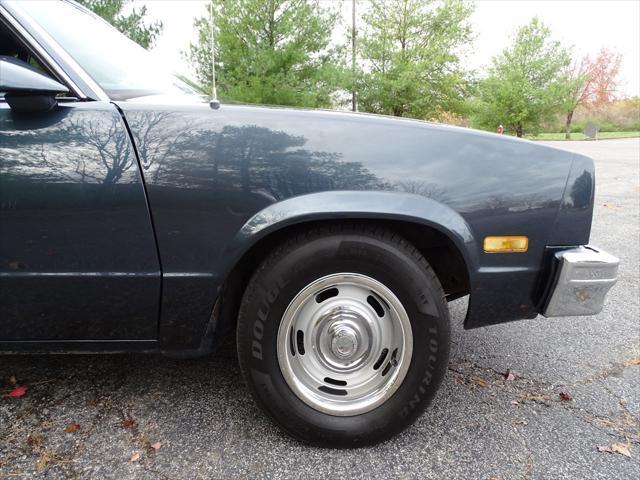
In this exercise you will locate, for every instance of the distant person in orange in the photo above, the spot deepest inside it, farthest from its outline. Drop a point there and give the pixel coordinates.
(500, 129)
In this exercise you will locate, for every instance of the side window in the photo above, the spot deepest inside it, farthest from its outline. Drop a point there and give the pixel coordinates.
(12, 46)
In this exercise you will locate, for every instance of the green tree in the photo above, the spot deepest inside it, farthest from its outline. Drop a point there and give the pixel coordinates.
(410, 56)
(526, 84)
(269, 51)
(133, 24)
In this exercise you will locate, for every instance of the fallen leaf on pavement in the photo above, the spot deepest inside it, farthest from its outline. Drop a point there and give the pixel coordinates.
(540, 398)
(43, 461)
(135, 457)
(35, 441)
(565, 396)
(508, 375)
(480, 382)
(632, 361)
(72, 427)
(156, 446)
(620, 448)
(17, 392)
(128, 423)
(515, 402)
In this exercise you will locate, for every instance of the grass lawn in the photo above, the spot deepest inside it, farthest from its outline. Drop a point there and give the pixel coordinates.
(581, 136)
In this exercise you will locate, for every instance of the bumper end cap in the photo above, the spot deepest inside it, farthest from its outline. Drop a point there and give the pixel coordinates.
(583, 278)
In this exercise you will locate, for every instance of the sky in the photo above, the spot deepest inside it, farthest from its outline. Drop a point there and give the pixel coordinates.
(587, 25)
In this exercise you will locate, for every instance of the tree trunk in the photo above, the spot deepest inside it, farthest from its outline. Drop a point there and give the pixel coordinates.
(353, 55)
(519, 131)
(567, 130)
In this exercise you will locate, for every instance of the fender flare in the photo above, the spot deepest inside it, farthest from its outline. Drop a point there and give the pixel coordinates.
(354, 205)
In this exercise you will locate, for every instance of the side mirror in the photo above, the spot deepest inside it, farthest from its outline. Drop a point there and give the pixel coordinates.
(26, 90)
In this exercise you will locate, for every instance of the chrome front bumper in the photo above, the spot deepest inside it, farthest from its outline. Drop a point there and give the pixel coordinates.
(582, 280)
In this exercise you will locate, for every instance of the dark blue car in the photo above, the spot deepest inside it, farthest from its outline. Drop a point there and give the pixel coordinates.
(134, 217)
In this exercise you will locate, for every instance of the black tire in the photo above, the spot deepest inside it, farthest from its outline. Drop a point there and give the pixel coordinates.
(381, 255)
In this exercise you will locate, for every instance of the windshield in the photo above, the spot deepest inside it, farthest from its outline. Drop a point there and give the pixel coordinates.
(120, 66)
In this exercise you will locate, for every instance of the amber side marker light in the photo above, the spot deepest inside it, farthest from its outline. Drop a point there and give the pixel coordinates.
(506, 244)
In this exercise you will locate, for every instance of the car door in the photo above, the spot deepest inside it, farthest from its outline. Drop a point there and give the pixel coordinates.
(78, 259)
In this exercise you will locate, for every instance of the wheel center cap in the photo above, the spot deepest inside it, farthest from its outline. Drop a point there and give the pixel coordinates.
(344, 342)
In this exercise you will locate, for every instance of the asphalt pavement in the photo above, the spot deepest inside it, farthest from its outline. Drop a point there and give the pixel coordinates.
(139, 417)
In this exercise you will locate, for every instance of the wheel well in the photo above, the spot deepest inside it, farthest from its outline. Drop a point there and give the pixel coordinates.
(439, 250)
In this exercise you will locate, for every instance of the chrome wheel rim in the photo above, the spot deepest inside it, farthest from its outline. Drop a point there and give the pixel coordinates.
(344, 344)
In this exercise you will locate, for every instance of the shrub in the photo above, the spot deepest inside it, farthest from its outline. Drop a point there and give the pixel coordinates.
(618, 116)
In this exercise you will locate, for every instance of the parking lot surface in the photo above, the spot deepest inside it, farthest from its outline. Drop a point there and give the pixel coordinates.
(149, 417)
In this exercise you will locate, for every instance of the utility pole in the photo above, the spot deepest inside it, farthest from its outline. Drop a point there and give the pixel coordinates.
(214, 103)
(354, 105)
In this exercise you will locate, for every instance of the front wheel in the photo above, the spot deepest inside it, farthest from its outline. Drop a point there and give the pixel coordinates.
(343, 335)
